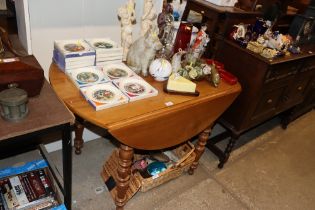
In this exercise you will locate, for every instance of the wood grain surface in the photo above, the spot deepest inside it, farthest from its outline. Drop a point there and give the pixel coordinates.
(149, 123)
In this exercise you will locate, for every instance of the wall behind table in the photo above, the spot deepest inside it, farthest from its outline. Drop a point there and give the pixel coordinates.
(73, 19)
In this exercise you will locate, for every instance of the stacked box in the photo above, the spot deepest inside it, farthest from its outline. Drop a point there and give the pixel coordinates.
(71, 54)
(107, 51)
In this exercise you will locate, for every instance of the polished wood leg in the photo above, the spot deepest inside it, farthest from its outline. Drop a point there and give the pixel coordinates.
(78, 140)
(200, 148)
(124, 172)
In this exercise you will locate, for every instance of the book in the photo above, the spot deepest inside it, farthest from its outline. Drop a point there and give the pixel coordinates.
(69, 54)
(87, 76)
(102, 63)
(30, 194)
(42, 203)
(46, 182)
(135, 88)
(2, 202)
(102, 96)
(18, 190)
(36, 184)
(8, 194)
(72, 62)
(111, 56)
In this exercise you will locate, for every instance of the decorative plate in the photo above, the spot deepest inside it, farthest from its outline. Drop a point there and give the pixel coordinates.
(103, 93)
(74, 47)
(134, 86)
(117, 71)
(88, 75)
(102, 43)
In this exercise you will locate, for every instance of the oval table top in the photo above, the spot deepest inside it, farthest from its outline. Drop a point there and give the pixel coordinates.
(149, 123)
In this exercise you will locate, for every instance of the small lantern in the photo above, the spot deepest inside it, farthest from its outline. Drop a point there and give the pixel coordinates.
(13, 103)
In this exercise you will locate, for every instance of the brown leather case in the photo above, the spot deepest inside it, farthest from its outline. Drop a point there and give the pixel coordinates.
(25, 71)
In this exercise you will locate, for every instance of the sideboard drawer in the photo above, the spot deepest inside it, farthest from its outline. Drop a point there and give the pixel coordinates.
(282, 70)
(308, 65)
(294, 94)
(267, 104)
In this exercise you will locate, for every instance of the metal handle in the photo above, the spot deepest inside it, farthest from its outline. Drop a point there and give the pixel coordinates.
(13, 85)
(300, 88)
(269, 101)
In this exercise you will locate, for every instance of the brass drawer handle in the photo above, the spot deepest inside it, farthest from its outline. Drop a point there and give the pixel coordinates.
(269, 101)
(300, 88)
(202, 12)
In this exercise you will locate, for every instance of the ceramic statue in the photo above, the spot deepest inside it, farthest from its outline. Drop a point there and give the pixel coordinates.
(127, 18)
(177, 59)
(148, 17)
(143, 51)
(200, 42)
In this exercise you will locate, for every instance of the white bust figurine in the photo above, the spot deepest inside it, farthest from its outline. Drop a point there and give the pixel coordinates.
(148, 17)
(126, 17)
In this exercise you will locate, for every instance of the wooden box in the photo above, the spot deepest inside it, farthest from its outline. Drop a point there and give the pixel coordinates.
(25, 71)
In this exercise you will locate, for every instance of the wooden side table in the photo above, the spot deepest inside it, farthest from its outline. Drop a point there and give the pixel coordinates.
(46, 114)
(150, 124)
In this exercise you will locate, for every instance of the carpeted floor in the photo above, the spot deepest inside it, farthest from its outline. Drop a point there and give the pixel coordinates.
(272, 168)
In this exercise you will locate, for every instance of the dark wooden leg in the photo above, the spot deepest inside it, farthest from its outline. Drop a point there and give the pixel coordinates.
(78, 140)
(200, 148)
(67, 165)
(124, 172)
(228, 150)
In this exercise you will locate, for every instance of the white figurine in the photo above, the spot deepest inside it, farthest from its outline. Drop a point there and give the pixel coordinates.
(131, 10)
(148, 17)
(201, 42)
(177, 59)
(126, 17)
(142, 52)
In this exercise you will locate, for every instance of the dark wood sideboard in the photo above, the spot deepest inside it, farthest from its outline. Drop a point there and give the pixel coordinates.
(269, 87)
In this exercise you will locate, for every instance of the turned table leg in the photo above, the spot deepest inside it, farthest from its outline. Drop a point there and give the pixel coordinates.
(200, 148)
(124, 172)
(78, 140)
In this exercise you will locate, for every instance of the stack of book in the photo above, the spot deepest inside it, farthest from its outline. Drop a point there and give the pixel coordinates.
(121, 86)
(107, 51)
(71, 54)
(27, 187)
